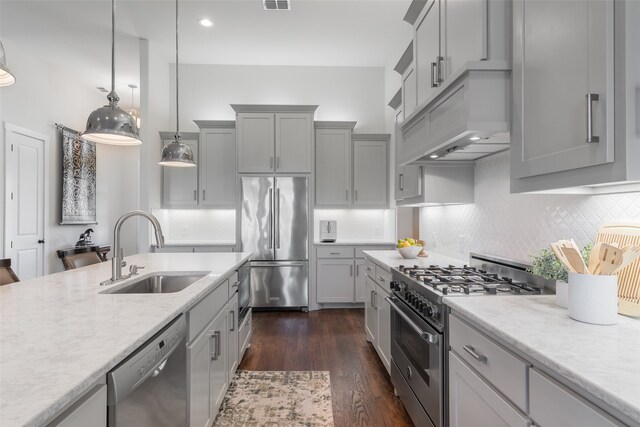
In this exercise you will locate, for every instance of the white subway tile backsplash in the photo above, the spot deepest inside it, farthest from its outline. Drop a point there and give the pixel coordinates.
(197, 225)
(359, 224)
(518, 225)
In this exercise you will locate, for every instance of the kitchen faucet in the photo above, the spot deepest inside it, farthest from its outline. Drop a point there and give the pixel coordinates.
(116, 261)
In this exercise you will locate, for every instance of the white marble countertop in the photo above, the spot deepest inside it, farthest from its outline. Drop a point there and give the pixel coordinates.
(393, 259)
(601, 360)
(343, 242)
(59, 334)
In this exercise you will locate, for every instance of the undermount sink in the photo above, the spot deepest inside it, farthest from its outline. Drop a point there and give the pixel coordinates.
(159, 284)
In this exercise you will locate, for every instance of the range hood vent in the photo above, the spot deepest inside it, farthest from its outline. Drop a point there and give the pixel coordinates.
(276, 4)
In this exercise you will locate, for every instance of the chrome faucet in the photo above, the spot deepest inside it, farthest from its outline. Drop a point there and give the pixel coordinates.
(116, 261)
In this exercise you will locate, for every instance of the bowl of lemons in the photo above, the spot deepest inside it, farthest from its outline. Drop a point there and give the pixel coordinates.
(408, 248)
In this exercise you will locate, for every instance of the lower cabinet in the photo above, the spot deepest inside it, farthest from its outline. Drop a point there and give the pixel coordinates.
(218, 370)
(377, 312)
(370, 312)
(233, 348)
(384, 328)
(198, 381)
(361, 281)
(89, 410)
(244, 335)
(472, 402)
(335, 280)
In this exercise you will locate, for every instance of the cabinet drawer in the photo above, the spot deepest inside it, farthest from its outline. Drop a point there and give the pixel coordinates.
(555, 405)
(202, 314)
(383, 278)
(233, 283)
(369, 268)
(334, 252)
(500, 367)
(361, 249)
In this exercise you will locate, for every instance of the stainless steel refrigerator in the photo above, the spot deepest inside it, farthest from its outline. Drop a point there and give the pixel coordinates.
(274, 226)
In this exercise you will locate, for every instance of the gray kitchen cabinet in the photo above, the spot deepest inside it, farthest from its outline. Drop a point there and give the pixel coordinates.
(180, 185)
(274, 138)
(384, 328)
(245, 332)
(294, 134)
(199, 385)
(553, 405)
(333, 164)
(552, 88)
(218, 167)
(426, 45)
(370, 312)
(408, 179)
(233, 346)
(335, 280)
(473, 402)
(89, 410)
(256, 142)
(361, 281)
(218, 361)
(443, 183)
(371, 170)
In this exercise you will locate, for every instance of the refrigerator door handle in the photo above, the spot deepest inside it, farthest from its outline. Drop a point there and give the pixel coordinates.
(277, 218)
(271, 218)
(277, 264)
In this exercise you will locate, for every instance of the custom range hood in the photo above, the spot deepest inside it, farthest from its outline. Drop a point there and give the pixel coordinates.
(467, 119)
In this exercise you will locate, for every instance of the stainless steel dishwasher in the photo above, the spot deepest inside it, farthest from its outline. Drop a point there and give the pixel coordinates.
(149, 388)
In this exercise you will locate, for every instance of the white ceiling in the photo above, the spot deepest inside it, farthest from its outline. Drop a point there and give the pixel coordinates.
(314, 32)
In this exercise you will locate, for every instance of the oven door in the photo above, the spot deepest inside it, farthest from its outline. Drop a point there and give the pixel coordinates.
(417, 350)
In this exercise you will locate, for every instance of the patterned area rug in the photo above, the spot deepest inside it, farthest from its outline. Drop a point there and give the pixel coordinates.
(277, 398)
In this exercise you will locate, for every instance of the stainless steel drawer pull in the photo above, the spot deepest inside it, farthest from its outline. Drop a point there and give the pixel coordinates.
(203, 195)
(480, 358)
(433, 74)
(367, 268)
(216, 348)
(334, 253)
(430, 338)
(195, 195)
(590, 98)
(233, 321)
(401, 182)
(380, 278)
(351, 270)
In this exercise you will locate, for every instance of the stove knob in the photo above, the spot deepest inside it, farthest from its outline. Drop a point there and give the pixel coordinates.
(395, 286)
(420, 306)
(434, 311)
(428, 311)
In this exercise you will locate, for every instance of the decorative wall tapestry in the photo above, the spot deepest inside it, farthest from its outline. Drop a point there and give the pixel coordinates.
(78, 179)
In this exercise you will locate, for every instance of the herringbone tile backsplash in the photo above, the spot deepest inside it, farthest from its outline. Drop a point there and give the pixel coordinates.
(518, 225)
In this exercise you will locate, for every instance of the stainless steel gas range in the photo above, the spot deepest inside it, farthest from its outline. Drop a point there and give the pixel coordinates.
(419, 324)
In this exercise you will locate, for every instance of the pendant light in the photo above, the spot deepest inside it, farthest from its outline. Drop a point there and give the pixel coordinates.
(134, 113)
(176, 153)
(111, 124)
(6, 78)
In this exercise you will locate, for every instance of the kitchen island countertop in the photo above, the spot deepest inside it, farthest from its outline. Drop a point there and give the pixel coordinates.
(59, 334)
(601, 360)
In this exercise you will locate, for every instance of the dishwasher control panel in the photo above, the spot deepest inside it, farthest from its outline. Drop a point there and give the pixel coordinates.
(146, 361)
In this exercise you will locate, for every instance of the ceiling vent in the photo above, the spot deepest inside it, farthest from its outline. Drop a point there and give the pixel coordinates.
(277, 4)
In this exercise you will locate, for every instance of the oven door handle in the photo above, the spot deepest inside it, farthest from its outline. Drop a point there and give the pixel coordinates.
(430, 338)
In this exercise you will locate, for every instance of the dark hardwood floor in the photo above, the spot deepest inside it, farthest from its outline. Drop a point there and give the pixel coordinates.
(334, 341)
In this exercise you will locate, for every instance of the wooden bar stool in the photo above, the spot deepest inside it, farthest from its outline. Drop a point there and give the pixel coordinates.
(79, 257)
(6, 273)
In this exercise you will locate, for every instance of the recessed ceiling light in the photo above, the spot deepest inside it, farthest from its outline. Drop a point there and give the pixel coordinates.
(474, 138)
(205, 22)
(434, 156)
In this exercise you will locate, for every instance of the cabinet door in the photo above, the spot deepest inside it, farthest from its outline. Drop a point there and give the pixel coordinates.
(218, 168)
(180, 185)
(335, 280)
(412, 181)
(370, 314)
(370, 173)
(294, 134)
(383, 344)
(361, 281)
(426, 45)
(198, 371)
(218, 369)
(256, 142)
(333, 167)
(463, 33)
(234, 327)
(409, 92)
(90, 410)
(550, 86)
(472, 402)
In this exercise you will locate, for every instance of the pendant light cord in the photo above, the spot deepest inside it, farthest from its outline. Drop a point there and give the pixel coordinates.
(113, 46)
(177, 82)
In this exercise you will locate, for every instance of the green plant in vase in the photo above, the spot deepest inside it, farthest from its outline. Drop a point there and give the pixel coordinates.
(546, 264)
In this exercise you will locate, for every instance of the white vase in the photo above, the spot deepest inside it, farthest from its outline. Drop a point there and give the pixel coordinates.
(593, 298)
(562, 294)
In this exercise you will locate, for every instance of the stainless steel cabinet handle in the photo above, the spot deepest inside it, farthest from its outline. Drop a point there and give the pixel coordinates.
(195, 195)
(334, 253)
(433, 74)
(216, 337)
(375, 300)
(371, 298)
(351, 270)
(277, 218)
(401, 182)
(409, 372)
(271, 162)
(233, 321)
(366, 267)
(358, 270)
(381, 279)
(472, 351)
(590, 98)
(430, 338)
(236, 285)
(203, 194)
(271, 218)
(278, 162)
(440, 61)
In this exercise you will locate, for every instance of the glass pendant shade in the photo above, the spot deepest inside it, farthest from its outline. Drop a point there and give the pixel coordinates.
(6, 78)
(177, 154)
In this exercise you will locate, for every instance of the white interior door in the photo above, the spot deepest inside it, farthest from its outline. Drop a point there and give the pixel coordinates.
(25, 201)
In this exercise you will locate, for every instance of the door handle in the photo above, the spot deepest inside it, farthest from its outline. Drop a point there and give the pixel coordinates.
(278, 162)
(195, 195)
(430, 338)
(433, 74)
(277, 218)
(216, 348)
(472, 351)
(41, 241)
(401, 182)
(203, 195)
(233, 321)
(277, 264)
(440, 61)
(271, 218)
(351, 270)
(590, 98)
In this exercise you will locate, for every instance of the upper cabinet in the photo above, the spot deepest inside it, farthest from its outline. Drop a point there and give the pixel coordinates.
(217, 172)
(426, 44)
(371, 170)
(274, 138)
(180, 185)
(351, 170)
